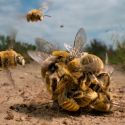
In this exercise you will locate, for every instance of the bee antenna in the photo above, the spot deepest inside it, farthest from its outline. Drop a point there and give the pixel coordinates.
(108, 68)
(47, 15)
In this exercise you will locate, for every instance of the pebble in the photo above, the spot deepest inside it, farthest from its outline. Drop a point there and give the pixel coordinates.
(9, 116)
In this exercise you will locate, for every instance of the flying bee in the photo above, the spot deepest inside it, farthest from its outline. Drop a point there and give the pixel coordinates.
(35, 15)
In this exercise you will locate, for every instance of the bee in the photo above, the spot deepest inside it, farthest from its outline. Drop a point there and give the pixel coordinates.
(10, 58)
(35, 15)
(82, 61)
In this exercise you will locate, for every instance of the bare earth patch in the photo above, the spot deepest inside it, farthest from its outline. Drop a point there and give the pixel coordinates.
(25, 101)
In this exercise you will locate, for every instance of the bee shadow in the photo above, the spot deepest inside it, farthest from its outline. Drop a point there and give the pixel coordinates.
(47, 111)
(94, 112)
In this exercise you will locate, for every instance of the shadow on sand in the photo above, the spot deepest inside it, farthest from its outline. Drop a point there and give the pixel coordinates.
(47, 111)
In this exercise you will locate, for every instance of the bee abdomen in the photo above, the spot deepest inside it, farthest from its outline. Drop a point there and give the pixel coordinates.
(68, 104)
(102, 103)
(92, 63)
(85, 98)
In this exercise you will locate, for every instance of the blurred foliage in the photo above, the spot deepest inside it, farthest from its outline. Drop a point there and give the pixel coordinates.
(97, 47)
(19, 47)
(118, 56)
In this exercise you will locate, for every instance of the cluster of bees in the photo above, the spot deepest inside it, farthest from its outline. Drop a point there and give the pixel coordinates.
(74, 78)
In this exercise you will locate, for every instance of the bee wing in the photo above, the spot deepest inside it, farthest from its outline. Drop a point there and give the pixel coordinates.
(79, 43)
(68, 47)
(38, 56)
(12, 33)
(45, 5)
(108, 68)
(45, 46)
(80, 39)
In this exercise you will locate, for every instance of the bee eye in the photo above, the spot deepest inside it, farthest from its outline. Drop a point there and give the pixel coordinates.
(52, 67)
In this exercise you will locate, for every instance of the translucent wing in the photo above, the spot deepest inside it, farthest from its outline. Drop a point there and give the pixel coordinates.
(80, 39)
(45, 46)
(68, 47)
(38, 56)
(12, 33)
(108, 68)
(79, 42)
(44, 5)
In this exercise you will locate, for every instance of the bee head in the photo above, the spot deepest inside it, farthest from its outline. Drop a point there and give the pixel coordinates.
(52, 68)
(49, 65)
(20, 60)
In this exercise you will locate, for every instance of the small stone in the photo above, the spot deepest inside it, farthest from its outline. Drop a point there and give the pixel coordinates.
(28, 118)
(5, 84)
(65, 122)
(12, 107)
(20, 119)
(21, 77)
(9, 116)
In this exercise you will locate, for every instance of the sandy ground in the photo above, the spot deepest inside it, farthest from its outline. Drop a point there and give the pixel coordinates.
(24, 101)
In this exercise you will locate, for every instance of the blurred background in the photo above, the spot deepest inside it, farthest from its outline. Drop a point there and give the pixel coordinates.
(102, 20)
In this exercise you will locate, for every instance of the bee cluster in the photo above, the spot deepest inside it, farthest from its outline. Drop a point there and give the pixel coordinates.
(73, 83)
(75, 79)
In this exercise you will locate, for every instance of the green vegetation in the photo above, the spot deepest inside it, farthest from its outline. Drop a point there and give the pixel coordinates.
(97, 47)
(20, 47)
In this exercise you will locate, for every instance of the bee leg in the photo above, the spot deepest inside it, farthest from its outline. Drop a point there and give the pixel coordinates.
(104, 78)
(83, 83)
(96, 84)
(48, 83)
(12, 60)
(102, 103)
